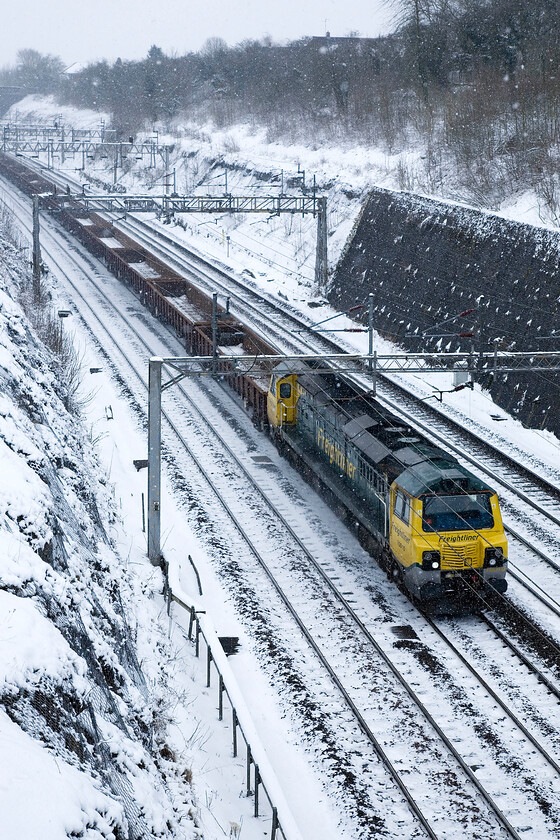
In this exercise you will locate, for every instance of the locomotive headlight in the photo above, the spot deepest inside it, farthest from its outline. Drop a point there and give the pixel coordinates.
(493, 556)
(431, 560)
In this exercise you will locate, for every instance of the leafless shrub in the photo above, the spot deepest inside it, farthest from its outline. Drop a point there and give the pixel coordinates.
(548, 192)
(51, 332)
(10, 230)
(230, 144)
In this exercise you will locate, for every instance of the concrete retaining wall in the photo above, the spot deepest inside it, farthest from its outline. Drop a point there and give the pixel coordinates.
(426, 261)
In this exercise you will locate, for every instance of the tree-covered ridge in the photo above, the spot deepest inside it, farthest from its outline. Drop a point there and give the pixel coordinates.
(477, 82)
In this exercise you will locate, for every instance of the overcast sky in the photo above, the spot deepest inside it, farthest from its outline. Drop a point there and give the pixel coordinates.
(85, 31)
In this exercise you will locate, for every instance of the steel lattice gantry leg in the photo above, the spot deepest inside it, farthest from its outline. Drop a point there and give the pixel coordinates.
(154, 460)
(36, 250)
(321, 264)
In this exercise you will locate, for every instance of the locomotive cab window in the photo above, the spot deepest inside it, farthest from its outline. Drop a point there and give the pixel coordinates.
(461, 512)
(285, 390)
(402, 506)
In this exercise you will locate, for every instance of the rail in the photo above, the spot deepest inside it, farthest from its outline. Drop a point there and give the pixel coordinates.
(260, 775)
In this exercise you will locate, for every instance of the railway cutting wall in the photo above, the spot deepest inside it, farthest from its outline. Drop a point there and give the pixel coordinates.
(426, 261)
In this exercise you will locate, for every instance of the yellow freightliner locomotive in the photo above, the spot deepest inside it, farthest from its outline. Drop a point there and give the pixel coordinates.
(435, 526)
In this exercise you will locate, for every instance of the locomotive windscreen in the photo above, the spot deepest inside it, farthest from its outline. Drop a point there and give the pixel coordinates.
(464, 512)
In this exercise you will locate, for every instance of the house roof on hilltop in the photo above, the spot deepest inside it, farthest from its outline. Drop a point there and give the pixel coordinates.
(327, 42)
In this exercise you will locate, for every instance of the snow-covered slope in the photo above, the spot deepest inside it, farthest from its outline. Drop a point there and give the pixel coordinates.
(82, 738)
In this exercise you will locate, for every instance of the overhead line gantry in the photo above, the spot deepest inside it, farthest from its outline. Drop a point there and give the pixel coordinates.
(167, 205)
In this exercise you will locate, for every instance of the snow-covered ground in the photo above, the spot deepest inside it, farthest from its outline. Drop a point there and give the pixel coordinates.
(279, 254)
(79, 726)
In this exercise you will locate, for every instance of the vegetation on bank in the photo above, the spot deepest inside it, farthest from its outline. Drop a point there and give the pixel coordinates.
(474, 83)
(38, 308)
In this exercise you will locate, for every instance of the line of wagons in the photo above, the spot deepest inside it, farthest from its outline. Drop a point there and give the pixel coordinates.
(433, 526)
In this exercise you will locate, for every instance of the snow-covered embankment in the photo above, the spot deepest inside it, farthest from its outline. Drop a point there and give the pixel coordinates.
(82, 738)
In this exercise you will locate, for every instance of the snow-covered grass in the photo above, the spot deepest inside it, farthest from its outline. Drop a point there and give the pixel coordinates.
(45, 797)
(201, 154)
(46, 109)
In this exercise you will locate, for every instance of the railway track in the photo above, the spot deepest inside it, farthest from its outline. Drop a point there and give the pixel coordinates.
(294, 335)
(517, 481)
(362, 652)
(538, 485)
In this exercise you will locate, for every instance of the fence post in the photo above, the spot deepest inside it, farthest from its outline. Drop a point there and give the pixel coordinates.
(257, 783)
(276, 829)
(249, 762)
(234, 727)
(220, 697)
